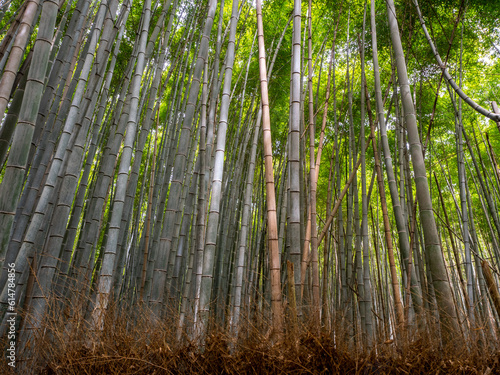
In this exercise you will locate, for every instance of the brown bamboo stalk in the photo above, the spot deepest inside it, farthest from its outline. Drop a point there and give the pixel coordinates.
(492, 286)
(272, 226)
(292, 300)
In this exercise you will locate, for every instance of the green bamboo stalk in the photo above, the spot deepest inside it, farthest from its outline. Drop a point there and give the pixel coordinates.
(434, 255)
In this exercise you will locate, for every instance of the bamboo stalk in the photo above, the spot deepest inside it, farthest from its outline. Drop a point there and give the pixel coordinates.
(400, 320)
(270, 194)
(492, 287)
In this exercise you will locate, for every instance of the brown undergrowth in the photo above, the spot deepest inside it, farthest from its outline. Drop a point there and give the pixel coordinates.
(133, 343)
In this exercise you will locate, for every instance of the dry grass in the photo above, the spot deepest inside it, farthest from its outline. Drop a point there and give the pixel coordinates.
(131, 345)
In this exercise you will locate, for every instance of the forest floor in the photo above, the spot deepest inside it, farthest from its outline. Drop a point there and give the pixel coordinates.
(311, 356)
(138, 344)
(120, 353)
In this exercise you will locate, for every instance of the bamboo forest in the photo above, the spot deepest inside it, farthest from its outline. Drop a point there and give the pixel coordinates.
(249, 186)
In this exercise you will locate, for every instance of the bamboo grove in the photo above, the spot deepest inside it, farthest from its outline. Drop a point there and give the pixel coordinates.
(212, 163)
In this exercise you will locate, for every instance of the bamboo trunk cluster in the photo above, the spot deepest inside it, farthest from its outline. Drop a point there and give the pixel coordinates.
(134, 182)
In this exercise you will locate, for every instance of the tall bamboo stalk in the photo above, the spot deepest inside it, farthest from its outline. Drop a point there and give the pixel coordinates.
(434, 255)
(272, 224)
(293, 210)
